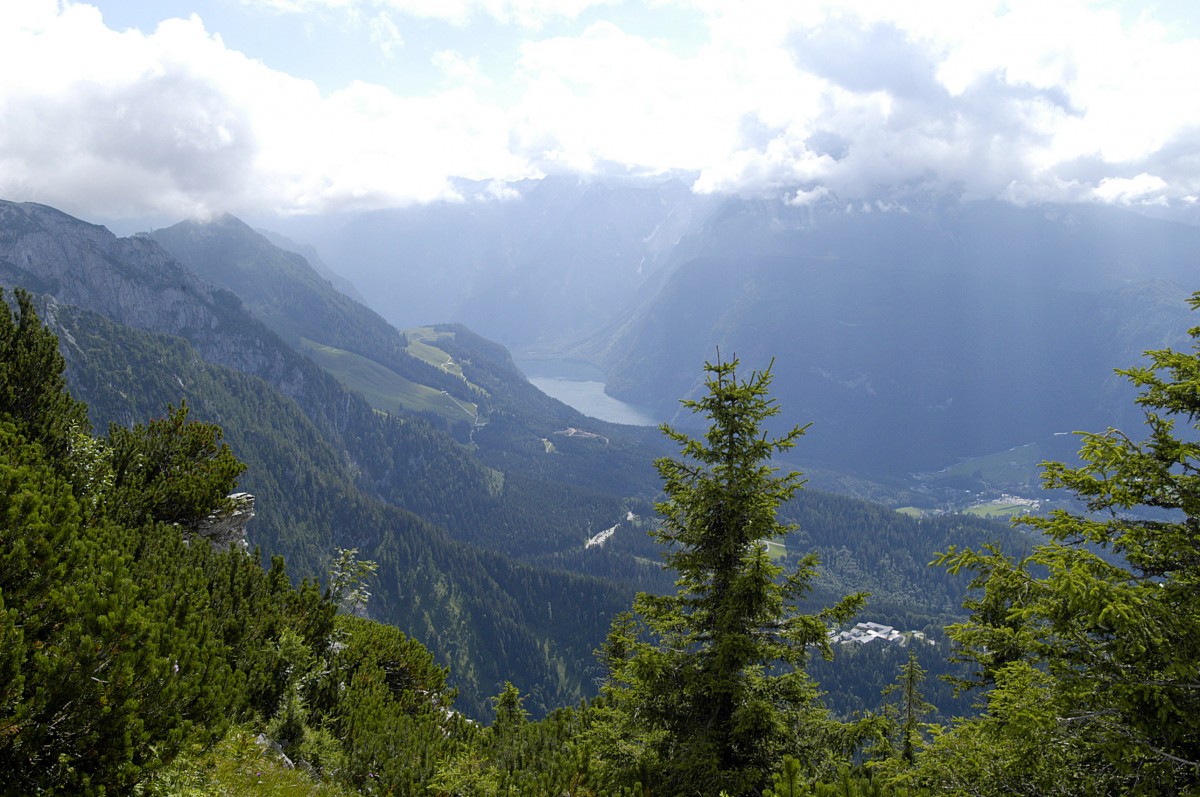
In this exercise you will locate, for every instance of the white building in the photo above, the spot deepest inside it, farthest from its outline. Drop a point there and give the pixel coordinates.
(864, 633)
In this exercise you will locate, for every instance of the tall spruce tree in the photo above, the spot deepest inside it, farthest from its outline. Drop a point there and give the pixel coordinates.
(1092, 640)
(910, 706)
(713, 687)
(33, 390)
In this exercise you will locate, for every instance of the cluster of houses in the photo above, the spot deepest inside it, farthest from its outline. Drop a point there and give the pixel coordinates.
(865, 633)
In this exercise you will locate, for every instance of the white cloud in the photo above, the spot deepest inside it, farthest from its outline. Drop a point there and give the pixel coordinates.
(609, 97)
(118, 119)
(525, 13)
(175, 122)
(385, 34)
(1027, 101)
(803, 198)
(988, 99)
(459, 69)
(1131, 190)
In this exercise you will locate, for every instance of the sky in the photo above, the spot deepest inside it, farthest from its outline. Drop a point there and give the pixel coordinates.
(133, 108)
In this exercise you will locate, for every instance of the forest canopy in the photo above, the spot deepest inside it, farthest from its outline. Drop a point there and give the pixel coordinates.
(136, 657)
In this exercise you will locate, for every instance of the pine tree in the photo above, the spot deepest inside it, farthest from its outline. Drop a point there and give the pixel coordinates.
(510, 714)
(110, 664)
(718, 692)
(1093, 638)
(32, 387)
(911, 706)
(170, 470)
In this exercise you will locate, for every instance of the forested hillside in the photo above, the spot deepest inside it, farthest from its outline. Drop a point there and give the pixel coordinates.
(468, 605)
(141, 656)
(128, 637)
(324, 462)
(403, 487)
(595, 478)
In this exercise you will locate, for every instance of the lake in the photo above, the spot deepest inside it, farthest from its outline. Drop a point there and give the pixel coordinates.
(581, 386)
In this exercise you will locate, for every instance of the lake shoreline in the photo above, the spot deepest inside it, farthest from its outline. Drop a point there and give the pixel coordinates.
(580, 385)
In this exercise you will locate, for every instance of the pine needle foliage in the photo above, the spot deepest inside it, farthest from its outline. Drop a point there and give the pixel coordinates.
(1092, 639)
(709, 682)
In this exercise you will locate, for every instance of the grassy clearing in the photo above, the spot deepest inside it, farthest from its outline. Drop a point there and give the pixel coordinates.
(1016, 466)
(422, 344)
(236, 767)
(998, 509)
(911, 511)
(776, 550)
(383, 388)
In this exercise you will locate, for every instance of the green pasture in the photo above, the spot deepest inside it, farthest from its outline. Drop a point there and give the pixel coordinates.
(998, 509)
(422, 344)
(1016, 466)
(383, 388)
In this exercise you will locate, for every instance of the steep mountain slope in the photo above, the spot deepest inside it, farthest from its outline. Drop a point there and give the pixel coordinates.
(539, 481)
(544, 261)
(914, 339)
(311, 455)
(510, 426)
(287, 294)
(310, 254)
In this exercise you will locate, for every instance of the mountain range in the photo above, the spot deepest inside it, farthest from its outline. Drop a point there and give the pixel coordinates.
(425, 449)
(140, 331)
(913, 336)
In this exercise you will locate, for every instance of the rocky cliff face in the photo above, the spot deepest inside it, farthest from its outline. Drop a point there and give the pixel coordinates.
(135, 282)
(131, 280)
(226, 526)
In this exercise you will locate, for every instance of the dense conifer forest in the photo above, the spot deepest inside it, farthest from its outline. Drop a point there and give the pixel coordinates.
(138, 656)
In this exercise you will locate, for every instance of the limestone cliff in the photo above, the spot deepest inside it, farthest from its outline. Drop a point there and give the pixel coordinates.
(226, 526)
(136, 283)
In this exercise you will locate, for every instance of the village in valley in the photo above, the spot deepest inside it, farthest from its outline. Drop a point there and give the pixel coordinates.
(866, 633)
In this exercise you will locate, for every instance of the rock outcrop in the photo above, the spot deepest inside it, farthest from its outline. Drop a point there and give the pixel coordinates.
(135, 282)
(226, 526)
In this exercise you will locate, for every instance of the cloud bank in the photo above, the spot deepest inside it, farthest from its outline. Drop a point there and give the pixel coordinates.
(1025, 101)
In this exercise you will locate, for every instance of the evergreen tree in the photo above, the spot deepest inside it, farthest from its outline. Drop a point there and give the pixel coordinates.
(170, 470)
(110, 664)
(1093, 639)
(910, 705)
(510, 715)
(718, 693)
(33, 390)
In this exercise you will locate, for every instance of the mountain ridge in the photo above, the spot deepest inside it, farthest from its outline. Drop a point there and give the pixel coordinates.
(308, 492)
(482, 546)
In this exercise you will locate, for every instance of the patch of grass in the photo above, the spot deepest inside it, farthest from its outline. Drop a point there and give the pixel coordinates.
(911, 511)
(422, 344)
(383, 388)
(776, 550)
(1016, 466)
(236, 767)
(998, 509)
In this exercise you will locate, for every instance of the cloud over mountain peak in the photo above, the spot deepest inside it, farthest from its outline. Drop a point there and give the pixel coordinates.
(1020, 101)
